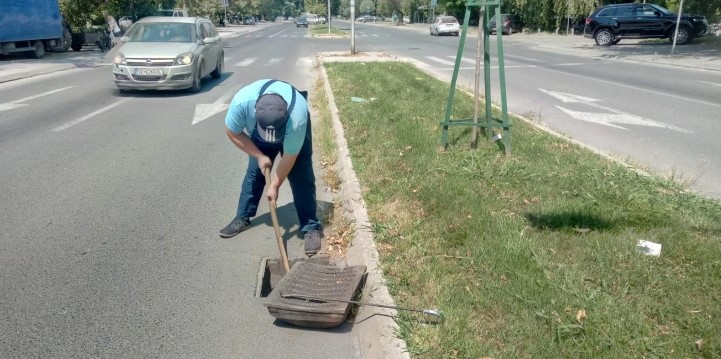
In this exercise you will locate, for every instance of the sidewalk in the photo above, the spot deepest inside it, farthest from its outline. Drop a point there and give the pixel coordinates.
(19, 66)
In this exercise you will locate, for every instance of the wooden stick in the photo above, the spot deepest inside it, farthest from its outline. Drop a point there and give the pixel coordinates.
(276, 227)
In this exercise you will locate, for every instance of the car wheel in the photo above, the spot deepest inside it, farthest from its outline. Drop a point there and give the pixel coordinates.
(218, 69)
(39, 51)
(603, 37)
(64, 43)
(683, 37)
(195, 88)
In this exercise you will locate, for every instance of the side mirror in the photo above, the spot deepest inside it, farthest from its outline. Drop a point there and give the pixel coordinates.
(124, 39)
(658, 13)
(208, 40)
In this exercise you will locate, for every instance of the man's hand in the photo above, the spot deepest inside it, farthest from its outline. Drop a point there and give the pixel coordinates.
(264, 163)
(272, 193)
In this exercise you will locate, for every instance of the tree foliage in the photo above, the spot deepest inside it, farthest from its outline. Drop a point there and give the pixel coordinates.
(547, 15)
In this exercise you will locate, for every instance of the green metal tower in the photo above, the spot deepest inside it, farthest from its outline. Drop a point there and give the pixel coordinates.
(489, 122)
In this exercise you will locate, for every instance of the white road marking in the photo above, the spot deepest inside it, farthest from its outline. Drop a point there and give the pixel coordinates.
(274, 61)
(246, 62)
(493, 67)
(280, 32)
(439, 60)
(17, 103)
(711, 83)
(466, 60)
(522, 58)
(304, 61)
(89, 116)
(634, 87)
(204, 111)
(608, 119)
(569, 98)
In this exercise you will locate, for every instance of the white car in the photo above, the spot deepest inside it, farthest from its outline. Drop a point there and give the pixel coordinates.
(312, 19)
(445, 25)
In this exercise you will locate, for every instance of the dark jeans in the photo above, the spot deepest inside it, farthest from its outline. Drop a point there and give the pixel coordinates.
(301, 179)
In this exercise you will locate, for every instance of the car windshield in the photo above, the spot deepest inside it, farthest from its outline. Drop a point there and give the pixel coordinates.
(161, 32)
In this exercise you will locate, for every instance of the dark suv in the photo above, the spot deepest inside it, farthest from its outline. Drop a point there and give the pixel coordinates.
(609, 24)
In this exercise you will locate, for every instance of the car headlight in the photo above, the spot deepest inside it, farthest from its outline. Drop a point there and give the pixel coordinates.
(119, 59)
(184, 59)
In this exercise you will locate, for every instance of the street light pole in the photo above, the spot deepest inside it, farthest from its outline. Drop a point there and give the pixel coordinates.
(352, 27)
(328, 17)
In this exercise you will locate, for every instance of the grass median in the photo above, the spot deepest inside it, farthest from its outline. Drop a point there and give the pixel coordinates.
(530, 256)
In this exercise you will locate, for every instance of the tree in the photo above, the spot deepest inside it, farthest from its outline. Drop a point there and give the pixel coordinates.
(367, 7)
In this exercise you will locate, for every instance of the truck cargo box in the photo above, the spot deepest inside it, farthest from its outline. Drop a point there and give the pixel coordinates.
(28, 20)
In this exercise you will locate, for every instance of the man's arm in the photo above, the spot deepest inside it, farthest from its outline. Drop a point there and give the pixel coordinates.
(242, 141)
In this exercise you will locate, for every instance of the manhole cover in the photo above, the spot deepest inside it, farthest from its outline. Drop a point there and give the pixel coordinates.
(307, 279)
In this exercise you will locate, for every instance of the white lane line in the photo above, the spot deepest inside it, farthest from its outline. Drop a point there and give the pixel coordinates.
(246, 62)
(633, 87)
(441, 61)
(522, 58)
(89, 116)
(280, 32)
(17, 103)
(466, 60)
(711, 83)
(274, 61)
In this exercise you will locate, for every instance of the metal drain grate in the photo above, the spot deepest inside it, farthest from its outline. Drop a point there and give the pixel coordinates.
(312, 280)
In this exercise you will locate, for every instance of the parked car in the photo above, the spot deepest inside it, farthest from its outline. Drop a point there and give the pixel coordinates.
(301, 22)
(168, 53)
(509, 24)
(249, 20)
(366, 18)
(611, 23)
(445, 25)
(312, 19)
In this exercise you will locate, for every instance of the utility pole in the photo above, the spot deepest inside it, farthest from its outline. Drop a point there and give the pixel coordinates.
(328, 17)
(352, 27)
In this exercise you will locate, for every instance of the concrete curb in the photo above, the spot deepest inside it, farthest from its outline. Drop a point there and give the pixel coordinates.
(375, 328)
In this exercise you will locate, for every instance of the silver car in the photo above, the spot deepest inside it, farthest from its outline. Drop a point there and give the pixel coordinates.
(168, 53)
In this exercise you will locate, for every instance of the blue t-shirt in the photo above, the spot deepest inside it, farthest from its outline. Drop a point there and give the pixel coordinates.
(241, 113)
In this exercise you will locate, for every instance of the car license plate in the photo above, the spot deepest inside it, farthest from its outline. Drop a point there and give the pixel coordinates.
(148, 72)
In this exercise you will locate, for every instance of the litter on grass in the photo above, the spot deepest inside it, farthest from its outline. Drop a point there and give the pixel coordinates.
(649, 248)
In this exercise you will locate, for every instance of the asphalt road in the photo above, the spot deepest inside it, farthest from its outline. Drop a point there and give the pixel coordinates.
(111, 205)
(663, 118)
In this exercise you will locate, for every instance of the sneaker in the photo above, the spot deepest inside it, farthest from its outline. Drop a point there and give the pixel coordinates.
(312, 242)
(236, 226)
